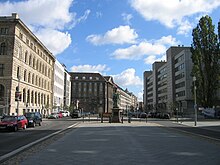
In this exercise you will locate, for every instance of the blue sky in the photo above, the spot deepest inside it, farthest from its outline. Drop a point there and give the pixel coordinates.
(121, 38)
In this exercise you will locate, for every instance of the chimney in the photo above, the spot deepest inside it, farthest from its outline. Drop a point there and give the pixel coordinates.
(15, 15)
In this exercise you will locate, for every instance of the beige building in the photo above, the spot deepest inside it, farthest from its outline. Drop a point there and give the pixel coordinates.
(26, 69)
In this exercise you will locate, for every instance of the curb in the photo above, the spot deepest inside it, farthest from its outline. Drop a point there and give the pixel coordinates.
(10, 154)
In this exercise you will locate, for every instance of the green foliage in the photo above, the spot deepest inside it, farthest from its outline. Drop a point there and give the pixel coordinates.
(205, 58)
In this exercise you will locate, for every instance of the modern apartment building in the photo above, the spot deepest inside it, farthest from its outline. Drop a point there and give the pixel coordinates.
(168, 85)
(62, 87)
(128, 101)
(67, 89)
(26, 69)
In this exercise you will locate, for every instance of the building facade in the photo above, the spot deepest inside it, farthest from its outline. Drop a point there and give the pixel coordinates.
(62, 87)
(168, 86)
(91, 92)
(26, 69)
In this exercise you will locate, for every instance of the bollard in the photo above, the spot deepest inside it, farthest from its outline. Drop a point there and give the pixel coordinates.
(129, 119)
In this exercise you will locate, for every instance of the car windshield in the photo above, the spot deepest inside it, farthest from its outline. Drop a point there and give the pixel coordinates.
(29, 114)
(9, 119)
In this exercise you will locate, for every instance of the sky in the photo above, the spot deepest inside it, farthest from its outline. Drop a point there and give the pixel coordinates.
(118, 38)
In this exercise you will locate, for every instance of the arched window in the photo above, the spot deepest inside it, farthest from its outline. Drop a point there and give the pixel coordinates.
(3, 49)
(2, 92)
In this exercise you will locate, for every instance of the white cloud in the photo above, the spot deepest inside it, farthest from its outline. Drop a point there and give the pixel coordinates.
(90, 68)
(140, 96)
(127, 78)
(185, 27)
(120, 35)
(146, 48)
(127, 17)
(151, 59)
(43, 13)
(56, 41)
(44, 17)
(172, 13)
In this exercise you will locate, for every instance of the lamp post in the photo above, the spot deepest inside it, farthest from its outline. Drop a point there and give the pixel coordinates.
(18, 95)
(195, 106)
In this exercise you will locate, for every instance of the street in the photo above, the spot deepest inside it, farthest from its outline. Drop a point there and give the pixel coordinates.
(129, 143)
(11, 141)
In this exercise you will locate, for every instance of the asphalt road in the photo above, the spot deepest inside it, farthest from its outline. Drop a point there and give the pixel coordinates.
(129, 143)
(10, 141)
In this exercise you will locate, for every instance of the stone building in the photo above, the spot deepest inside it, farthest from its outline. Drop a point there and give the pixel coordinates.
(91, 92)
(26, 69)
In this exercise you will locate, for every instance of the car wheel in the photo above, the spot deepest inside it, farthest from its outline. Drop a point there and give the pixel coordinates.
(15, 128)
(25, 126)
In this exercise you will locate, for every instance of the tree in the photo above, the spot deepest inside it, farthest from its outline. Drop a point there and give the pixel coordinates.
(205, 58)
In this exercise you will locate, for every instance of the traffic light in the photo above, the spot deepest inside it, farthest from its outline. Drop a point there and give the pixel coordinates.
(17, 96)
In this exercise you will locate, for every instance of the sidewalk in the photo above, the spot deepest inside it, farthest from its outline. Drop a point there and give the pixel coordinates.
(204, 124)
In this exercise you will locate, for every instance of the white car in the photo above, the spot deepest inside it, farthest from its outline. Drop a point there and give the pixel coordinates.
(65, 113)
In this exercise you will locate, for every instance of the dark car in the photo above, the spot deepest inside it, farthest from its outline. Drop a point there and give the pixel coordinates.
(33, 118)
(75, 114)
(13, 122)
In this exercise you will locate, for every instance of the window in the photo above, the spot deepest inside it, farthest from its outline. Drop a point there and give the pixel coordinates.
(18, 72)
(30, 60)
(3, 49)
(25, 57)
(1, 69)
(4, 31)
(2, 91)
(25, 75)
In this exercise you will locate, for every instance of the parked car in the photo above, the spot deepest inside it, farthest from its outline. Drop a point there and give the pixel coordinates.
(75, 114)
(53, 116)
(142, 115)
(33, 118)
(65, 113)
(14, 122)
(60, 115)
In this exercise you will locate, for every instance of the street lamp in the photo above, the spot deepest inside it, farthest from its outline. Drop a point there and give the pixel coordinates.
(195, 106)
(18, 94)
